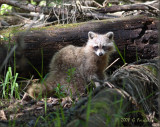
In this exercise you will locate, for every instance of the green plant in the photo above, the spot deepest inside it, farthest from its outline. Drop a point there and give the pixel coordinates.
(14, 53)
(62, 114)
(48, 119)
(12, 123)
(124, 53)
(119, 53)
(88, 109)
(118, 106)
(58, 1)
(32, 2)
(58, 120)
(121, 3)
(51, 118)
(137, 57)
(42, 62)
(42, 3)
(4, 38)
(40, 117)
(36, 70)
(109, 4)
(5, 9)
(39, 73)
(45, 105)
(59, 91)
(90, 87)
(59, 117)
(9, 85)
(70, 75)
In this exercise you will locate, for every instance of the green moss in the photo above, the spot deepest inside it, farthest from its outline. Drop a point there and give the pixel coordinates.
(38, 28)
(13, 30)
(152, 69)
(10, 31)
(68, 25)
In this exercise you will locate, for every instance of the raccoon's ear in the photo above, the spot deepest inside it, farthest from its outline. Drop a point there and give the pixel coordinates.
(91, 35)
(110, 35)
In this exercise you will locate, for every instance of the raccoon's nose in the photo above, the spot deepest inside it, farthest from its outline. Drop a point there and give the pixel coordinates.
(100, 54)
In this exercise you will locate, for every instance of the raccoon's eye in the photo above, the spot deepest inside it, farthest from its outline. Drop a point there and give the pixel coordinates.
(95, 47)
(104, 47)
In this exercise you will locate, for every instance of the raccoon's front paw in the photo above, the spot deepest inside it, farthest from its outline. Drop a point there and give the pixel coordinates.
(36, 90)
(92, 77)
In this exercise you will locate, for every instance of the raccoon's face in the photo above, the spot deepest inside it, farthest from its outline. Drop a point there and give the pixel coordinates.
(101, 44)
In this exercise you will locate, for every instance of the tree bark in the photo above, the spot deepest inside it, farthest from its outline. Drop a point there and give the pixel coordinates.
(136, 38)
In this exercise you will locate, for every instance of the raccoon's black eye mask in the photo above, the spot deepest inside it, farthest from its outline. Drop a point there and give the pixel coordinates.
(95, 48)
(104, 47)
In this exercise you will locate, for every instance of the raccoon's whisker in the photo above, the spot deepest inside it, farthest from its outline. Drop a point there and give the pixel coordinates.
(112, 64)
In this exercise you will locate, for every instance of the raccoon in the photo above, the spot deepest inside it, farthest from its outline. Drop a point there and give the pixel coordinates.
(73, 67)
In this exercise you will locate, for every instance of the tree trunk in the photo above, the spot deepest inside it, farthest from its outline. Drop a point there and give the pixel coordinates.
(136, 38)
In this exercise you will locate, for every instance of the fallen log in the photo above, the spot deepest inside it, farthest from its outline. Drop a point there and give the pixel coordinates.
(135, 37)
(130, 100)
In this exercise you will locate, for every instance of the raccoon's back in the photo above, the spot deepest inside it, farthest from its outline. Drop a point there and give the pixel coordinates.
(68, 57)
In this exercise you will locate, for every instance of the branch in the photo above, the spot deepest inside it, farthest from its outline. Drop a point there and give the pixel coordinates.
(131, 7)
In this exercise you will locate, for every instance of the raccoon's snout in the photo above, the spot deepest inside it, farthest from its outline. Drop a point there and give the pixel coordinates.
(100, 54)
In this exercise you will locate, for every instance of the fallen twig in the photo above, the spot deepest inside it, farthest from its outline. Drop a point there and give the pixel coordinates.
(112, 63)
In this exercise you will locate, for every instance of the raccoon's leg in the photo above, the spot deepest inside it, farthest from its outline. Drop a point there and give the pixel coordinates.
(101, 76)
(40, 90)
(36, 90)
(98, 78)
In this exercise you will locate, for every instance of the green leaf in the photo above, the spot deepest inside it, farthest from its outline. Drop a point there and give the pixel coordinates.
(109, 4)
(5, 9)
